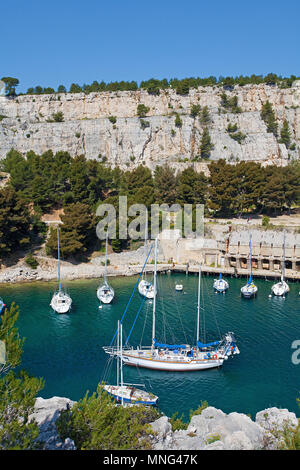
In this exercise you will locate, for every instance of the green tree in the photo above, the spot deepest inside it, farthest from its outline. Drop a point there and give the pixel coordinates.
(268, 115)
(205, 116)
(10, 85)
(17, 391)
(206, 144)
(195, 110)
(285, 134)
(178, 121)
(165, 185)
(96, 423)
(14, 222)
(77, 231)
(142, 110)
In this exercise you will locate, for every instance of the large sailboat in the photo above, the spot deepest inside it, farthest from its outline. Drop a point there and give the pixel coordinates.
(61, 302)
(124, 392)
(250, 289)
(105, 292)
(178, 357)
(221, 285)
(281, 288)
(145, 288)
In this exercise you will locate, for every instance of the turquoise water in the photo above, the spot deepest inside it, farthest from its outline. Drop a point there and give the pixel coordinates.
(66, 350)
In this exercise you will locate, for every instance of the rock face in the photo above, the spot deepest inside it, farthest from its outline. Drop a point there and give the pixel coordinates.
(215, 430)
(211, 430)
(45, 414)
(87, 130)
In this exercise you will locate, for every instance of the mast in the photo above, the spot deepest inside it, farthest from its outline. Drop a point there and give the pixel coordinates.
(121, 365)
(283, 259)
(118, 349)
(154, 299)
(58, 257)
(250, 261)
(105, 269)
(198, 306)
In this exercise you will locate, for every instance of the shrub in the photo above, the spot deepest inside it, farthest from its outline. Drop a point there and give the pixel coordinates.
(112, 119)
(178, 121)
(58, 117)
(31, 261)
(142, 110)
(144, 123)
(195, 110)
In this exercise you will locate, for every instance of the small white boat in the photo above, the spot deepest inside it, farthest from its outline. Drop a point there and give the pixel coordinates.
(281, 288)
(179, 287)
(105, 292)
(61, 302)
(127, 393)
(220, 285)
(250, 289)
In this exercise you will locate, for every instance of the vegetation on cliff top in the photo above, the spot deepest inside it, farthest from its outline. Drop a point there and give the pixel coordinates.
(154, 86)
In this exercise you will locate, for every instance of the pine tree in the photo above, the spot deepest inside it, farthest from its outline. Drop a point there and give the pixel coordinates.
(206, 144)
(268, 115)
(285, 134)
(17, 391)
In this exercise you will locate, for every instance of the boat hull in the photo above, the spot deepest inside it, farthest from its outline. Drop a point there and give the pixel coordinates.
(61, 302)
(146, 289)
(221, 285)
(138, 397)
(156, 364)
(248, 291)
(105, 294)
(280, 289)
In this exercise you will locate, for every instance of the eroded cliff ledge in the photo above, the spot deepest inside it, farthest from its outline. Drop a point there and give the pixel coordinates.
(25, 125)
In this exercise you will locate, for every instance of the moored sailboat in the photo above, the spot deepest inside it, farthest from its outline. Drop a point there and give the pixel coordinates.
(105, 292)
(281, 288)
(61, 302)
(220, 285)
(178, 357)
(250, 289)
(123, 392)
(145, 287)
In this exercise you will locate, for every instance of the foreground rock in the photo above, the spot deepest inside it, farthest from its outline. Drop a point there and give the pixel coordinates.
(46, 413)
(215, 430)
(211, 430)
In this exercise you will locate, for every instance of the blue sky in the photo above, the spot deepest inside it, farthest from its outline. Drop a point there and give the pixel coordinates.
(49, 43)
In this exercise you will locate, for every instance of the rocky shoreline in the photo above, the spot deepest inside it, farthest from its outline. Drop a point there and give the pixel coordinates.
(211, 430)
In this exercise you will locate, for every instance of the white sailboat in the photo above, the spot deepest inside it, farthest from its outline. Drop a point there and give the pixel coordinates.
(178, 357)
(105, 292)
(145, 287)
(250, 289)
(61, 302)
(220, 285)
(281, 288)
(123, 392)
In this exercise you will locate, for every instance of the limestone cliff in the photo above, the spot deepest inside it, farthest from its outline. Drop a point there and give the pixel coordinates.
(25, 124)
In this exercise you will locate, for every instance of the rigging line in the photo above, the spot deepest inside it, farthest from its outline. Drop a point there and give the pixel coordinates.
(145, 321)
(131, 295)
(179, 315)
(137, 315)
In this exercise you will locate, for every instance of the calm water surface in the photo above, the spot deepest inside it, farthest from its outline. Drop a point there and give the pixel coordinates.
(66, 350)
